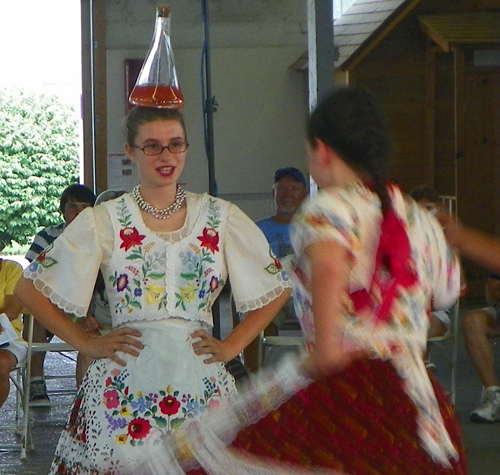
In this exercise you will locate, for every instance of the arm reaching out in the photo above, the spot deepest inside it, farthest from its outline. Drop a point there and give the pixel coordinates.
(479, 247)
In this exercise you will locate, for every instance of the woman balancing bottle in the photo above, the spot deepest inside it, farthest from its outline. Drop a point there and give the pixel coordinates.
(157, 84)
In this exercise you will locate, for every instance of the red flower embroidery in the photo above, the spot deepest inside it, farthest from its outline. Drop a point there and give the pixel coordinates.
(111, 400)
(277, 263)
(139, 428)
(130, 237)
(169, 405)
(210, 239)
(41, 256)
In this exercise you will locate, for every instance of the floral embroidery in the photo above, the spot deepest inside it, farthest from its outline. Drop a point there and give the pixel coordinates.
(197, 264)
(214, 284)
(275, 267)
(133, 417)
(139, 428)
(144, 274)
(188, 293)
(153, 293)
(130, 237)
(42, 260)
(210, 239)
(169, 405)
(111, 400)
(317, 220)
(122, 282)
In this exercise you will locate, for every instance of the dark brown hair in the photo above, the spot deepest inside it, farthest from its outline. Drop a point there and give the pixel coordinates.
(142, 115)
(351, 122)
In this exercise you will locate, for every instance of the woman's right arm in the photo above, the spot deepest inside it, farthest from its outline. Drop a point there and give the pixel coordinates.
(57, 322)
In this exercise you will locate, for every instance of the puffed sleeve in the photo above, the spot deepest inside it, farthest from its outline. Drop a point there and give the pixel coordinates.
(442, 264)
(66, 271)
(324, 218)
(256, 275)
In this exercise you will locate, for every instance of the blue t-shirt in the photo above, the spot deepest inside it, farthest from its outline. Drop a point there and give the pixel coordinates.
(278, 236)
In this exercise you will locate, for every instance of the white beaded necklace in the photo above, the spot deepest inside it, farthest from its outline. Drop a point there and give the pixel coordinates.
(164, 213)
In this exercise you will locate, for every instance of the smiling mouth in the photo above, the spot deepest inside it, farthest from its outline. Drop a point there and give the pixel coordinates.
(166, 171)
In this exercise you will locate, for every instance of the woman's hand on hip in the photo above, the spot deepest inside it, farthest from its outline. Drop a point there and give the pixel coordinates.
(206, 344)
(120, 340)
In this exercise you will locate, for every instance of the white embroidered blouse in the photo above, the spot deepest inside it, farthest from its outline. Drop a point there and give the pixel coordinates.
(151, 276)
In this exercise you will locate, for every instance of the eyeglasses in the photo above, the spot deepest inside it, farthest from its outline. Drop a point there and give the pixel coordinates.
(157, 149)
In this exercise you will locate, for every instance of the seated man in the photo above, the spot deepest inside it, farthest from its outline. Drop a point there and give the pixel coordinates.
(12, 352)
(289, 190)
(74, 199)
(478, 326)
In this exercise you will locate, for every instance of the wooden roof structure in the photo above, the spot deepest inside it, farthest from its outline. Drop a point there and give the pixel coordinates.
(364, 24)
(462, 28)
(361, 28)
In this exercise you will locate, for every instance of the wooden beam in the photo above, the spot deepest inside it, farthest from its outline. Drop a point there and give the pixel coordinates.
(94, 112)
(321, 50)
(459, 79)
(86, 101)
(321, 54)
(100, 96)
(434, 36)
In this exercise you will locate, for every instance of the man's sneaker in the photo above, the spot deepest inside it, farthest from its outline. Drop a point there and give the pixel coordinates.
(38, 393)
(489, 409)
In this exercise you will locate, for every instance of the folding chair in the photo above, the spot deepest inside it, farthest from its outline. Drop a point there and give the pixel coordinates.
(16, 427)
(451, 336)
(27, 442)
(273, 346)
(451, 355)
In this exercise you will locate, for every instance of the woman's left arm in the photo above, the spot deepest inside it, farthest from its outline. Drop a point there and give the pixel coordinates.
(243, 334)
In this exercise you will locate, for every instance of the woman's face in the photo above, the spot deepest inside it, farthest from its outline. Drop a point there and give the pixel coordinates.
(166, 167)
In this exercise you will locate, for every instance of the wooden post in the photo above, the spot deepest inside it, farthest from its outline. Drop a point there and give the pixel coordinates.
(430, 116)
(94, 112)
(459, 119)
(321, 50)
(321, 53)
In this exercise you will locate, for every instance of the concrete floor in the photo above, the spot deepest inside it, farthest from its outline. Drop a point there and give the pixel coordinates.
(482, 440)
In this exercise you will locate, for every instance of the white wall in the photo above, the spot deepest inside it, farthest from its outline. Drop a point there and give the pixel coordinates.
(262, 104)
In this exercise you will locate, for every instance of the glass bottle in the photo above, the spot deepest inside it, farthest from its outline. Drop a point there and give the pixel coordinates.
(157, 85)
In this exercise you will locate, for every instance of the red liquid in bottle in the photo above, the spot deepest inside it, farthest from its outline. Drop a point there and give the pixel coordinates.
(167, 97)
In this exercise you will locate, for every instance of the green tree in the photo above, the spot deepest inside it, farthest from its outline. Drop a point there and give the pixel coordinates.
(38, 159)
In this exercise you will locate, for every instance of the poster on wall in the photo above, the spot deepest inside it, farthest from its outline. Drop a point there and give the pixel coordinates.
(122, 172)
(132, 70)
